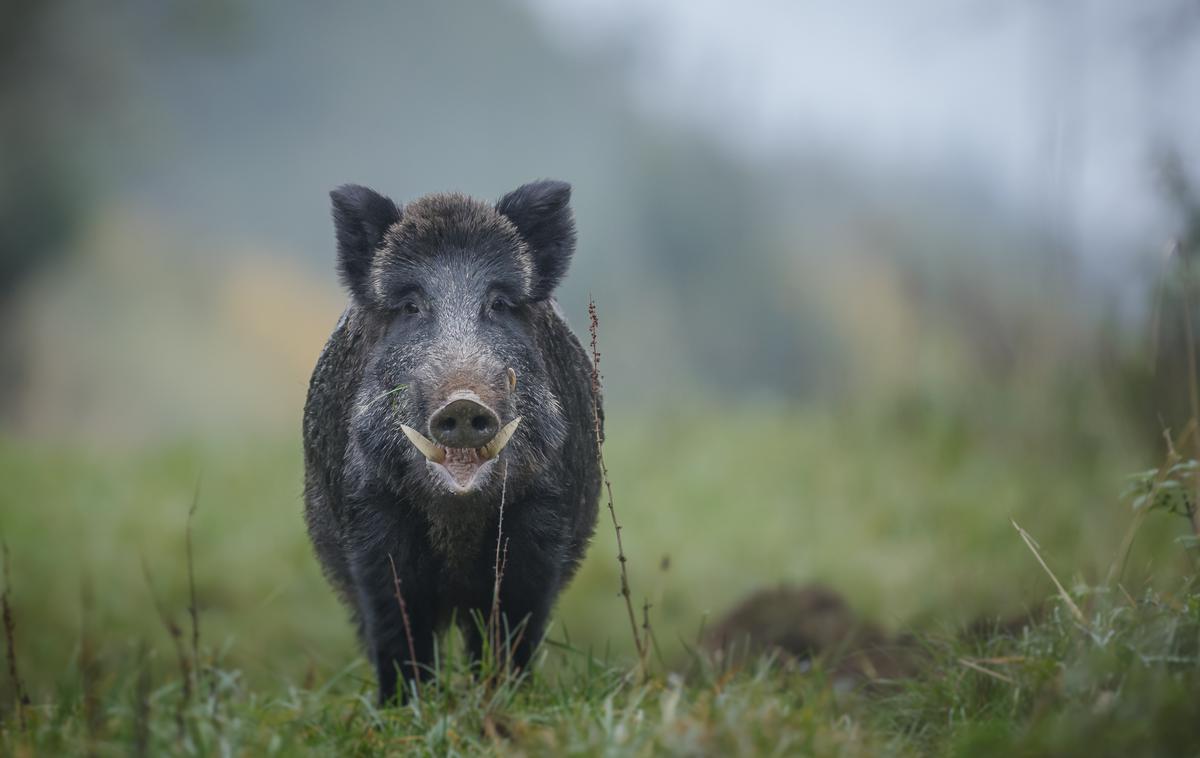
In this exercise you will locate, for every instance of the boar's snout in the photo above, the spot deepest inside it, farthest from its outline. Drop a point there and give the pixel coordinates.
(464, 422)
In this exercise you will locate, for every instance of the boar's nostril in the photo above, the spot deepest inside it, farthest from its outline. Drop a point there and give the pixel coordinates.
(464, 423)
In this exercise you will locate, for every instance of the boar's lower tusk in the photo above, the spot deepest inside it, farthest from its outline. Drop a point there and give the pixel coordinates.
(493, 448)
(424, 444)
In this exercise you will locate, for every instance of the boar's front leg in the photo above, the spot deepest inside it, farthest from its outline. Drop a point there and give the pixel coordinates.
(386, 638)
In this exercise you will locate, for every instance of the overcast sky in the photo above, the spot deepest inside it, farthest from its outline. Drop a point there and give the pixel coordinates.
(1059, 106)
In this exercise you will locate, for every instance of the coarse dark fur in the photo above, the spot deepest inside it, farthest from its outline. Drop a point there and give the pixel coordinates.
(449, 293)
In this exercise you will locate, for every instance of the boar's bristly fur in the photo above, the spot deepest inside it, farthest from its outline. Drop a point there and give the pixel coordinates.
(451, 301)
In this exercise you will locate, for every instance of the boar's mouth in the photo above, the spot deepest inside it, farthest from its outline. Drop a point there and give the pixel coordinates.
(462, 469)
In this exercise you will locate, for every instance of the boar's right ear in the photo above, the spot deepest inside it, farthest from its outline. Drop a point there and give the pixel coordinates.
(541, 212)
(360, 217)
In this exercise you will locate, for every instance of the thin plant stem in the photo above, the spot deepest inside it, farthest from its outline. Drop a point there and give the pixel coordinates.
(193, 609)
(593, 328)
(10, 636)
(493, 626)
(1193, 397)
(412, 648)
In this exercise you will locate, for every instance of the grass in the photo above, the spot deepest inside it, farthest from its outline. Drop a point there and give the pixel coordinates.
(908, 514)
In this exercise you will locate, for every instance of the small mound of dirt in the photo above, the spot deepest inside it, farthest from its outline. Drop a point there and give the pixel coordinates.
(802, 623)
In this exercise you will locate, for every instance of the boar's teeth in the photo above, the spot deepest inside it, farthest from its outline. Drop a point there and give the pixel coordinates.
(424, 444)
(493, 448)
(512, 380)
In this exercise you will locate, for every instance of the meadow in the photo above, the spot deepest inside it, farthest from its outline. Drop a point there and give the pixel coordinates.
(906, 508)
(868, 326)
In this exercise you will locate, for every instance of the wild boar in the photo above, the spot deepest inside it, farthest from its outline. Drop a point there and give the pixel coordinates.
(451, 381)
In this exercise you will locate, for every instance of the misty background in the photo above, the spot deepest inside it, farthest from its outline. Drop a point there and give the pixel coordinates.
(805, 201)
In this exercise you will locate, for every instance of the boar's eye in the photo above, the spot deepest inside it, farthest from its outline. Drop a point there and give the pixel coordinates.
(410, 308)
(499, 305)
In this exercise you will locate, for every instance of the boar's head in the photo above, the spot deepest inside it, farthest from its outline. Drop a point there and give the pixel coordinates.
(449, 293)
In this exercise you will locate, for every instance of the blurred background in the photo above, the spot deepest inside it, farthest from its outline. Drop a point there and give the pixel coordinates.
(872, 281)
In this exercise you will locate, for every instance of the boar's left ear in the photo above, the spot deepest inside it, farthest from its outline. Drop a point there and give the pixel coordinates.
(541, 211)
(361, 216)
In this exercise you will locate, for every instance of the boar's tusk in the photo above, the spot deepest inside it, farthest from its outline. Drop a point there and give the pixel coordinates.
(493, 448)
(424, 444)
(512, 380)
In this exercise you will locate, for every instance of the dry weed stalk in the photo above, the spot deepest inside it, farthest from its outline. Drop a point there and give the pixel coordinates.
(193, 611)
(649, 640)
(1118, 565)
(1193, 398)
(141, 711)
(176, 635)
(593, 329)
(974, 666)
(10, 636)
(1062, 592)
(89, 672)
(493, 624)
(412, 648)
